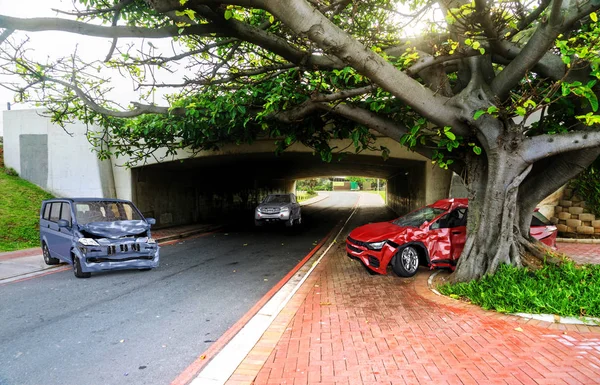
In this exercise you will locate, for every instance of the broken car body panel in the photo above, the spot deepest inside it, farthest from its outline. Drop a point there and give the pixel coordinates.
(438, 231)
(103, 234)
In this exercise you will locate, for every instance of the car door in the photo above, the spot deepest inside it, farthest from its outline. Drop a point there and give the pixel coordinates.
(53, 239)
(446, 238)
(458, 232)
(65, 234)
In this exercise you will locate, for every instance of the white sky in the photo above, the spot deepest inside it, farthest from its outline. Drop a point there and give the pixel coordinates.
(59, 44)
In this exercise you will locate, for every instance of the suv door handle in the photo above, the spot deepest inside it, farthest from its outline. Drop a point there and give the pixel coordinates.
(456, 232)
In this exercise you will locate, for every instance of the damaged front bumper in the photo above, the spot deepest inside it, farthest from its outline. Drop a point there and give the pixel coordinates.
(117, 254)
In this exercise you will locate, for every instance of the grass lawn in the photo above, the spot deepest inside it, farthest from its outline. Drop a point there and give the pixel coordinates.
(19, 212)
(381, 193)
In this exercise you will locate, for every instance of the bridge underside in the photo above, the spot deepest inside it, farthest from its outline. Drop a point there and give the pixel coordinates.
(213, 188)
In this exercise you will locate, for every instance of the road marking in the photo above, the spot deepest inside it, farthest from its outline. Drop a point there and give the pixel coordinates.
(218, 370)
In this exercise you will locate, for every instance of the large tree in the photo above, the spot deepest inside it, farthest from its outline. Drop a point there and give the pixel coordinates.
(502, 92)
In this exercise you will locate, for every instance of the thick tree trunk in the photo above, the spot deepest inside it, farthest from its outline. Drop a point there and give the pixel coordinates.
(493, 233)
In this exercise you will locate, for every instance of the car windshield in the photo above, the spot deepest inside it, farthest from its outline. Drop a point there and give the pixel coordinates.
(277, 199)
(417, 218)
(105, 211)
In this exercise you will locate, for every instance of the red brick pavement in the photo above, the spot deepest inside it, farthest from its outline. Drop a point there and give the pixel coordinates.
(347, 327)
(580, 252)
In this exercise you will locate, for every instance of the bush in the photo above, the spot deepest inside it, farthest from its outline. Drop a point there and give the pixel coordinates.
(565, 290)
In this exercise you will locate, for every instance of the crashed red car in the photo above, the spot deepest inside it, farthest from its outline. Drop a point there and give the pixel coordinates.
(433, 236)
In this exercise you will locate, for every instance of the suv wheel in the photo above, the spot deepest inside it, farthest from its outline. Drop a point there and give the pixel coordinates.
(47, 257)
(406, 262)
(77, 269)
(289, 222)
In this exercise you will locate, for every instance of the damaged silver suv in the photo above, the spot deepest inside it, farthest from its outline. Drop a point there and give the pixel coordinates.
(96, 234)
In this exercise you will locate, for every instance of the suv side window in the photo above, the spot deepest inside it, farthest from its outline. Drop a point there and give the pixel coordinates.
(55, 211)
(65, 212)
(46, 215)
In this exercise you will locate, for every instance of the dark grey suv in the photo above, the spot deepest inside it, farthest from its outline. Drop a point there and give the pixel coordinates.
(281, 208)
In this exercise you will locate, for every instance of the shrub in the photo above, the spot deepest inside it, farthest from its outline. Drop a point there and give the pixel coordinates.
(565, 290)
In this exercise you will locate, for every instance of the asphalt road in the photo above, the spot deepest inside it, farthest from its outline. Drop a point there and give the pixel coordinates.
(136, 327)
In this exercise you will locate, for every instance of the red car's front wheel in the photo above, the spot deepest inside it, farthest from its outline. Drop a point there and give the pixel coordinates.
(406, 262)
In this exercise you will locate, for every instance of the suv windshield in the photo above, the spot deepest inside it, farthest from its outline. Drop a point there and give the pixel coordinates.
(417, 218)
(277, 199)
(105, 211)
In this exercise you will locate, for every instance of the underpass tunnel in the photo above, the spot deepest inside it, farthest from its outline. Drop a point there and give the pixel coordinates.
(228, 187)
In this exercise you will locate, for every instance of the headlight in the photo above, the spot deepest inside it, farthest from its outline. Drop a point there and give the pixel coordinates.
(151, 241)
(258, 210)
(284, 209)
(88, 242)
(376, 245)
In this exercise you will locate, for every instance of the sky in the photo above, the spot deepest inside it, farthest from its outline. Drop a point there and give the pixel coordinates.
(59, 44)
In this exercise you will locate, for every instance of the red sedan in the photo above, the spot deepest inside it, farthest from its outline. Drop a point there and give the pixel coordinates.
(433, 236)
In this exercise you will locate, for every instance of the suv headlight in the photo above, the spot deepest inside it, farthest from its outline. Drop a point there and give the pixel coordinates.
(88, 242)
(258, 210)
(376, 245)
(151, 241)
(285, 209)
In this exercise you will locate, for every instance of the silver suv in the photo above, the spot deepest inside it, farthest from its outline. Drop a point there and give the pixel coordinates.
(278, 208)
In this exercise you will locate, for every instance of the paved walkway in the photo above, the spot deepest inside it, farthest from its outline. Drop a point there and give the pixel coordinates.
(347, 327)
(580, 252)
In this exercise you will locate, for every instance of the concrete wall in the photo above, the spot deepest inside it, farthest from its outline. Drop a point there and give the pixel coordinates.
(416, 187)
(59, 161)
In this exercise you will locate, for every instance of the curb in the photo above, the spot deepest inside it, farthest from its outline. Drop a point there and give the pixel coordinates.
(578, 240)
(316, 199)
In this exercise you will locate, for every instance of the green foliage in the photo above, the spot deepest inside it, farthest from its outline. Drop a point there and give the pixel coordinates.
(587, 186)
(19, 212)
(565, 290)
(302, 196)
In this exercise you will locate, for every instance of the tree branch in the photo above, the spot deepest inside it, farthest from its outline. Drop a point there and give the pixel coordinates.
(5, 34)
(118, 7)
(40, 24)
(543, 146)
(537, 47)
(306, 21)
(139, 109)
(541, 183)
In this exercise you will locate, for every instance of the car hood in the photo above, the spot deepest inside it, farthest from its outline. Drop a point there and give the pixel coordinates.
(276, 206)
(374, 232)
(116, 229)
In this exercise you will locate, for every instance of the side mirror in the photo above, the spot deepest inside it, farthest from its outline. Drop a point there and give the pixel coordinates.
(151, 221)
(63, 223)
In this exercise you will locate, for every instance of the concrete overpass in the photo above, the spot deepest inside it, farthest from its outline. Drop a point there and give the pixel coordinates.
(184, 189)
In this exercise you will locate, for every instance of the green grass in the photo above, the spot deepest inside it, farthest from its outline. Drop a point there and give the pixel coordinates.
(304, 195)
(566, 290)
(19, 212)
(381, 193)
